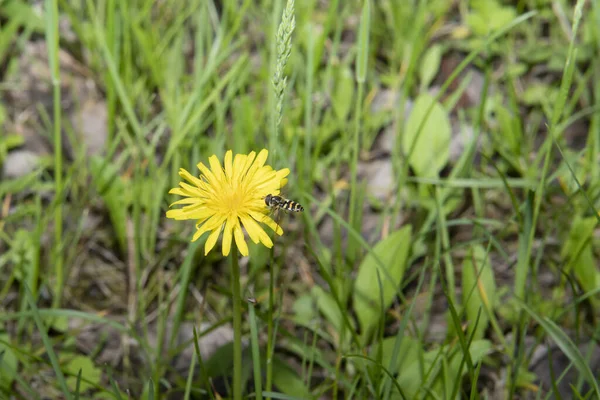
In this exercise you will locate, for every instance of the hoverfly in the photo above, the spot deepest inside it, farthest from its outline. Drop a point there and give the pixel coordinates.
(277, 202)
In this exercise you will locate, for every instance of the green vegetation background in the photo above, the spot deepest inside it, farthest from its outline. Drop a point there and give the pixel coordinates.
(447, 154)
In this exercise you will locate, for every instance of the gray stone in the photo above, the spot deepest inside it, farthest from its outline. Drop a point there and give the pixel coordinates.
(19, 163)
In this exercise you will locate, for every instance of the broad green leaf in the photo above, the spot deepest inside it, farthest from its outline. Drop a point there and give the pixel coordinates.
(10, 141)
(410, 350)
(90, 374)
(511, 135)
(288, 381)
(304, 311)
(455, 368)
(572, 162)
(439, 364)
(430, 65)
(431, 146)
(8, 362)
(23, 254)
(538, 93)
(328, 307)
(113, 190)
(343, 94)
(581, 233)
(220, 363)
(489, 16)
(59, 323)
(392, 252)
(478, 289)
(24, 12)
(586, 271)
(578, 254)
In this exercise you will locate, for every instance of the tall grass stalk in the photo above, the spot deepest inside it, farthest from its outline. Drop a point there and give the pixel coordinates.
(362, 58)
(284, 49)
(51, 7)
(308, 110)
(283, 46)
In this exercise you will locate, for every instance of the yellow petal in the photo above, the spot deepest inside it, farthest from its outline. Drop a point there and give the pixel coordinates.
(198, 232)
(252, 227)
(191, 191)
(217, 169)
(240, 241)
(265, 219)
(189, 177)
(258, 163)
(262, 174)
(247, 164)
(262, 157)
(256, 232)
(216, 221)
(281, 174)
(180, 192)
(188, 200)
(210, 177)
(238, 164)
(173, 214)
(212, 240)
(227, 233)
(183, 192)
(199, 211)
(229, 164)
(269, 181)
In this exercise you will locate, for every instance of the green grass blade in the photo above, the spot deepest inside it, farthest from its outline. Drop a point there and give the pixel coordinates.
(383, 368)
(52, 36)
(187, 269)
(77, 384)
(47, 344)
(566, 345)
(201, 366)
(362, 55)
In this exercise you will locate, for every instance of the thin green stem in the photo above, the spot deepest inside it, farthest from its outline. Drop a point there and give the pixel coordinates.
(52, 40)
(255, 352)
(237, 324)
(308, 102)
(270, 328)
(362, 60)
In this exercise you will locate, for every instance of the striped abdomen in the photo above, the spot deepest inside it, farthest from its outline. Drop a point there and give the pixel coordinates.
(273, 201)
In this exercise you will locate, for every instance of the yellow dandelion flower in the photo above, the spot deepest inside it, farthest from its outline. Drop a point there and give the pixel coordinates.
(229, 198)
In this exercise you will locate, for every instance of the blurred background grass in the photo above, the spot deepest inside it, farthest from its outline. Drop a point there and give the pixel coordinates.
(446, 154)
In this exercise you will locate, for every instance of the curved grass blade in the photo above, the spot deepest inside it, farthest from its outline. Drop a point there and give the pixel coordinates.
(384, 369)
(78, 384)
(566, 345)
(47, 344)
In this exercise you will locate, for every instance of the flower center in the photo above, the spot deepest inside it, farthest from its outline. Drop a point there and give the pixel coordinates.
(234, 202)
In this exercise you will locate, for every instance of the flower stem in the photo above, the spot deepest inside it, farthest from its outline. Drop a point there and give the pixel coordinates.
(237, 324)
(270, 330)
